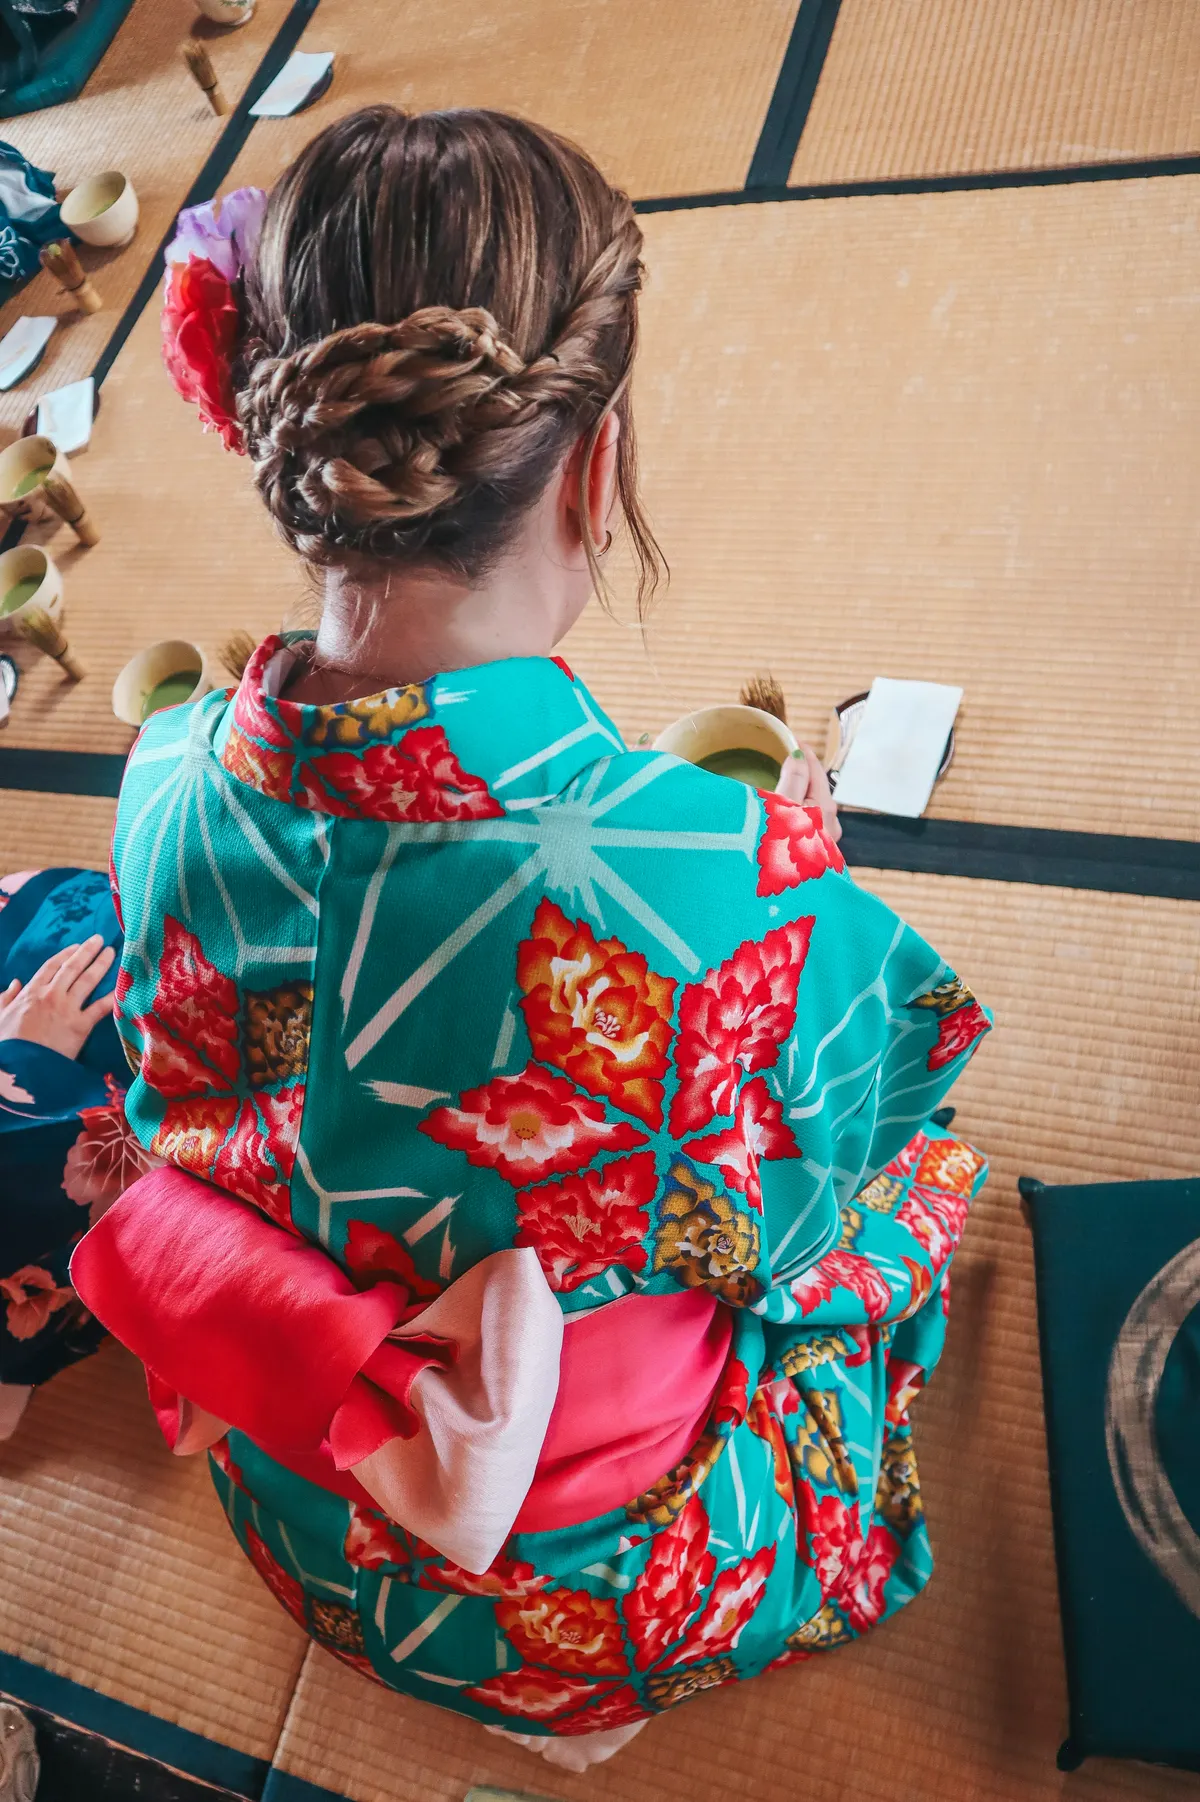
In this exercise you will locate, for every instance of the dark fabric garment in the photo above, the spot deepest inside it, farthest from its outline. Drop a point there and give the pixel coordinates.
(1118, 1274)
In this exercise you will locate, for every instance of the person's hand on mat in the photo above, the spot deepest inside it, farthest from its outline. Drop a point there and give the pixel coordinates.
(53, 1008)
(803, 779)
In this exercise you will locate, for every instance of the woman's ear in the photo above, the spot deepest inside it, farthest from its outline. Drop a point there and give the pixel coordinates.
(601, 485)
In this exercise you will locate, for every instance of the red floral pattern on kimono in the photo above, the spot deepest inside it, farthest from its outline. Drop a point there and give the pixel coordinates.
(529, 1125)
(734, 1021)
(534, 1695)
(597, 1011)
(282, 1586)
(668, 1592)
(735, 1595)
(372, 1256)
(221, 1121)
(567, 1629)
(418, 779)
(844, 1270)
(585, 1224)
(373, 1542)
(794, 847)
(957, 1032)
(759, 1131)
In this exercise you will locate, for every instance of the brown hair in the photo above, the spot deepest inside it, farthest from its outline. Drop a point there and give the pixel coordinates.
(438, 308)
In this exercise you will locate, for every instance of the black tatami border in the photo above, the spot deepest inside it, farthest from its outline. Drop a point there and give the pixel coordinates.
(1168, 868)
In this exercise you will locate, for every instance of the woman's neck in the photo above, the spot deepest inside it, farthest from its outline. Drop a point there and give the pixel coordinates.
(384, 631)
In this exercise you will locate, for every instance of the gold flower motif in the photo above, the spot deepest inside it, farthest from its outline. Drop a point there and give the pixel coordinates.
(882, 1194)
(670, 1495)
(337, 1625)
(811, 1353)
(945, 997)
(705, 1240)
(852, 1225)
(819, 1452)
(822, 1633)
(669, 1687)
(370, 721)
(898, 1497)
(276, 1028)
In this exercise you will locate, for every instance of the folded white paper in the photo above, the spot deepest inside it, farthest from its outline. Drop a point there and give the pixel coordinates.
(293, 84)
(21, 348)
(892, 764)
(66, 415)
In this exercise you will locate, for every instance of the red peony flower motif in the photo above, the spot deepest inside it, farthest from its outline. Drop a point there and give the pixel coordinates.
(860, 1594)
(199, 339)
(281, 1584)
(597, 1011)
(371, 1256)
(531, 1694)
(906, 1160)
(31, 1295)
(905, 1382)
(589, 1222)
(957, 1033)
(106, 1157)
(733, 1397)
(529, 1125)
(735, 1596)
(936, 1221)
(666, 1595)
(950, 1165)
(418, 779)
(922, 1288)
(194, 1055)
(833, 1536)
(759, 1131)
(844, 1270)
(795, 846)
(567, 1629)
(763, 1420)
(373, 1541)
(734, 1021)
(620, 1708)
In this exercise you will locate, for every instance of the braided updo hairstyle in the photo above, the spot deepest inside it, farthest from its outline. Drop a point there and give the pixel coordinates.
(439, 307)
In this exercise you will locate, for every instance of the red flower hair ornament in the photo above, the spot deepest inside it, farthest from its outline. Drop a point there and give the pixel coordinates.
(211, 246)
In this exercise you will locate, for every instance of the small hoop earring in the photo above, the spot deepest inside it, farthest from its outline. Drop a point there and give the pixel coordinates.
(606, 546)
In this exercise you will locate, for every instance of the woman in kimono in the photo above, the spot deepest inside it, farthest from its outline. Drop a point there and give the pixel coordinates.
(66, 1150)
(553, 1231)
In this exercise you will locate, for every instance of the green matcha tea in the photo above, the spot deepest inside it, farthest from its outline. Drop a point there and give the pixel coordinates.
(31, 481)
(170, 691)
(20, 592)
(754, 768)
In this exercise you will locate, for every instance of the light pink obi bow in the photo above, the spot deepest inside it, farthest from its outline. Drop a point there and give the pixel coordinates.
(477, 1415)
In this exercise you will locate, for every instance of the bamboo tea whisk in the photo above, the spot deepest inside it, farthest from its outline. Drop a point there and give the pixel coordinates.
(63, 497)
(35, 624)
(765, 693)
(65, 267)
(199, 63)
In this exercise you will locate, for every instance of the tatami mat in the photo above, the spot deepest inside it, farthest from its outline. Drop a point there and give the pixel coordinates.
(118, 1570)
(141, 112)
(669, 98)
(39, 830)
(962, 1696)
(936, 436)
(935, 87)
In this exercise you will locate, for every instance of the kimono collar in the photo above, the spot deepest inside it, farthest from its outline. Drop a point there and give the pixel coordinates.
(472, 744)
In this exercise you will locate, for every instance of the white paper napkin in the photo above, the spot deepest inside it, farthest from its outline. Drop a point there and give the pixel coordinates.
(293, 84)
(892, 765)
(66, 415)
(21, 348)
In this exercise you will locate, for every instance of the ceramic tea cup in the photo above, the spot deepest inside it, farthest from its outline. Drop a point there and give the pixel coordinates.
(162, 675)
(737, 741)
(24, 466)
(103, 210)
(227, 12)
(28, 578)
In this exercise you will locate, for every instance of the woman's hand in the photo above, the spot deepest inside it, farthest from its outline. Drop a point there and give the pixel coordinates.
(803, 779)
(52, 1008)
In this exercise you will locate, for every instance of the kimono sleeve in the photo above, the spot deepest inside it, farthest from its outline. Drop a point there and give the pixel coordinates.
(807, 1059)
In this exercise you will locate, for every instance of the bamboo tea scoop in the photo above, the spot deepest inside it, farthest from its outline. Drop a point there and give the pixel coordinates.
(65, 267)
(64, 499)
(35, 624)
(199, 63)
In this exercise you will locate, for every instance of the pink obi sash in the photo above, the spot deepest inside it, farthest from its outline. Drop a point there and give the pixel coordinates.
(480, 1413)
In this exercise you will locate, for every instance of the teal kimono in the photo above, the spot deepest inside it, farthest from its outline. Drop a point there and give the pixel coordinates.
(448, 971)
